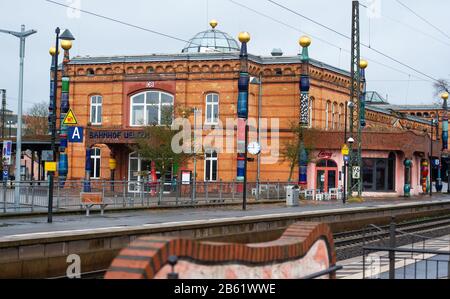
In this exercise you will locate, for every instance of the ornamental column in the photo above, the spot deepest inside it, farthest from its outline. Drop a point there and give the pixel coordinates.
(407, 188)
(305, 42)
(242, 111)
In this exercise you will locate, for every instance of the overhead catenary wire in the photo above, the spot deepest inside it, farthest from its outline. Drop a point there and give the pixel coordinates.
(320, 39)
(349, 38)
(415, 29)
(255, 11)
(131, 25)
(423, 19)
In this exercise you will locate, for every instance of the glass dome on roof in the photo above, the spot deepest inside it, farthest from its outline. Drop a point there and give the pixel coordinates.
(212, 40)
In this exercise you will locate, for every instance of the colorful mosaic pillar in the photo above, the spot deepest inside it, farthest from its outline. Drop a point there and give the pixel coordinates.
(407, 188)
(242, 109)
(305, 42)
(63, 165)
(424, 171)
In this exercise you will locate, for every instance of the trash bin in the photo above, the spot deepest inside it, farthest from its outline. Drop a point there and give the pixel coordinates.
(292, 196)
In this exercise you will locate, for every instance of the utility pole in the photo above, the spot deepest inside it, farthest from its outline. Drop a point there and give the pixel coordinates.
(22, 35)
(355, 109)
(3, 111)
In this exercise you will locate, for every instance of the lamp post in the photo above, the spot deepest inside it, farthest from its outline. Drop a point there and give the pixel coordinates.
(350, 142)
(22, 35)
(243, 84)
(258, 81)
(445, 156)
(348, 179)
(66, 38)
(304, 42)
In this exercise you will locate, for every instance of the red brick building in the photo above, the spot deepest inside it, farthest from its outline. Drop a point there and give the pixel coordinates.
(114, 97)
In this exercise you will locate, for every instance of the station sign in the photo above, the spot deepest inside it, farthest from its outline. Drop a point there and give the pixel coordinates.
(5, 175)
(76, 134)
(345, 150)
(50, 166)
(47, 156)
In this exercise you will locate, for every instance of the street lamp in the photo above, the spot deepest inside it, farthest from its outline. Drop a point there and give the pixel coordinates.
(22, 35)
(350, 142)
(243, 84)
(258, 81)
(66, 38)
(304, 42)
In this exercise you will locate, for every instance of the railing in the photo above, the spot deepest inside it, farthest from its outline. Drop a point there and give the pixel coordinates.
(129, 194)
(330, 272)
(405, 263)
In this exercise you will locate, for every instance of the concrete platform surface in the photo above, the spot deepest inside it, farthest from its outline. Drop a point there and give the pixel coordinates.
(23, 227)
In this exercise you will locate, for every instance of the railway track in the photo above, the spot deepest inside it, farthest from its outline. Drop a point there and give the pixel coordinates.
(352, 241)
(357, 237)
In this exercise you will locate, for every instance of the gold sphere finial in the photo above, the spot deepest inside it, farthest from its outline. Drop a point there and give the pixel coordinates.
(213, 23)
(305, 41)
(66, 44)
(444, 96)
(244, 37)
(363, 64)
(52, 51)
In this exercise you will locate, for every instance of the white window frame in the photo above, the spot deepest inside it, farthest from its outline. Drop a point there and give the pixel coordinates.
(94, 109)
(212, 100)
(94, 160)
(212, 160)
(146, 106)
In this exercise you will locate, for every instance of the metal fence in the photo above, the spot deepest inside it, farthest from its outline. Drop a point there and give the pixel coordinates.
(123, 194)
(421, 261)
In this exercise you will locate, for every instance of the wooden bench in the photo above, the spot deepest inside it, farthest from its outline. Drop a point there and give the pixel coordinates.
(91, 199)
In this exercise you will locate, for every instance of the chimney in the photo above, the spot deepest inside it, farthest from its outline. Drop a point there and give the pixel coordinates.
(277, 52)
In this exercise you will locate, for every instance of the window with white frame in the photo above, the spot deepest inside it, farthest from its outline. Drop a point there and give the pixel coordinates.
(96, 110)
(211, 163)
(151, 108)
(212, 109)
(95, 163)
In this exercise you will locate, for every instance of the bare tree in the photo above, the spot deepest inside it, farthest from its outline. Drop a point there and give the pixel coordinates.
(36, 120)
(440, 86)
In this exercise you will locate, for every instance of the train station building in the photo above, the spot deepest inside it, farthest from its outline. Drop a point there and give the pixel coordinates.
(115, 97)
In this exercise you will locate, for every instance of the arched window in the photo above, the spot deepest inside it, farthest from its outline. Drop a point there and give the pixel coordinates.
(327, 115)
(419, 114)
(151, 108)
(335, 116)
(211, 165)
(311, 112)
(96, 161)
(90, 72)
(212, 109)
(426, 115)
(341, 116)
(96, 110)
(326, 163)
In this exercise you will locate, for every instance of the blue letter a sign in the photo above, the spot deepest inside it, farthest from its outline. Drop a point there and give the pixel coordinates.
(76, 134)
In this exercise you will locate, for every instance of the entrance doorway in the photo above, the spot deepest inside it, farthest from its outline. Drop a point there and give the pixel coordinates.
(326, 175)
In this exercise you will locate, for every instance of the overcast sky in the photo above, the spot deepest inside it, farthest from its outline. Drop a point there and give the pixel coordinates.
(393, 30)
